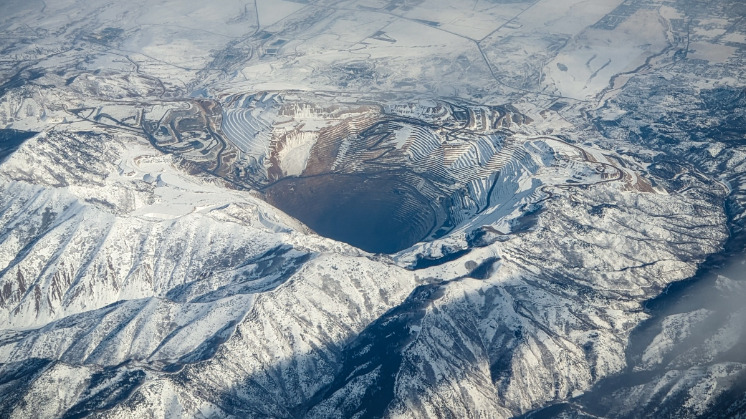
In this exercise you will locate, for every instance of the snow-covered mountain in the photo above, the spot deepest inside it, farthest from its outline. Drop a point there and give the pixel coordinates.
(149, 284)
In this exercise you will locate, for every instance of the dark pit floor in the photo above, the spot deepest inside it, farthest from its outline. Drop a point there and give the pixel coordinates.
(376, 213)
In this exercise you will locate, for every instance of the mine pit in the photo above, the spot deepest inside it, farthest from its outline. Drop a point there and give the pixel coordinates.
(378, 213)
(378, 177)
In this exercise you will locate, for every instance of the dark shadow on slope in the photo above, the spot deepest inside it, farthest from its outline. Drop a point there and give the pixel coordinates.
(428, 262)
(206, 349)
(21, 78)
(106, 389)
(380, 347)
(559, 410)
(484, 269)
(11, 139)
(15, 380)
